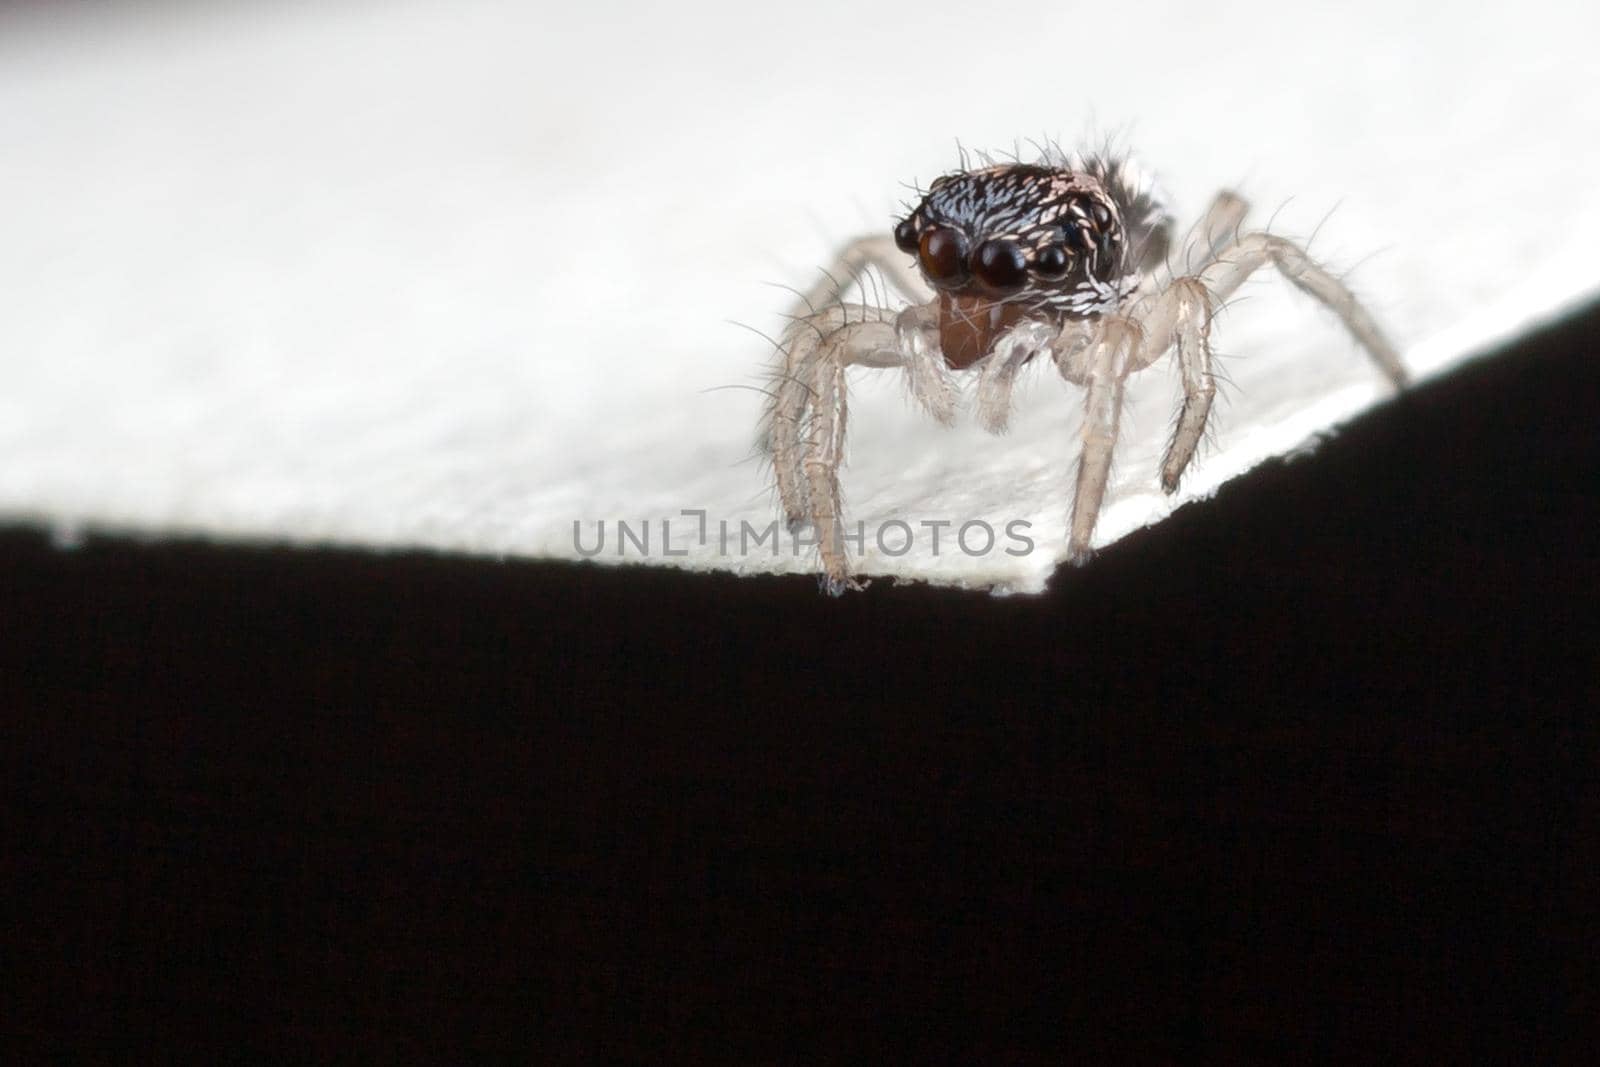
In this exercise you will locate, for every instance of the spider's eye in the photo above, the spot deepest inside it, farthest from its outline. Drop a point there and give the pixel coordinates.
(1074, 235)
(1001, 266)
(905, 237)
(1052, 263)
(944, 255)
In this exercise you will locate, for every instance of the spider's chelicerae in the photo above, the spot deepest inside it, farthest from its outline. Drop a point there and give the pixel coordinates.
(1069, 258)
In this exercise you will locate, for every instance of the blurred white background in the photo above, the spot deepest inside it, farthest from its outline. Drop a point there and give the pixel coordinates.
(456, 274)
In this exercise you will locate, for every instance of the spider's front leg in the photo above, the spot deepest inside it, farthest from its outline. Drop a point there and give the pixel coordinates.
(856, 263)
(806, 415)
(1248, 254)
(1179, 316)
(1100, 367)
(860, 263)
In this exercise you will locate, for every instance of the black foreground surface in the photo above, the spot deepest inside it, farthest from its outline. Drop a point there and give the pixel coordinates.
(1312, 770)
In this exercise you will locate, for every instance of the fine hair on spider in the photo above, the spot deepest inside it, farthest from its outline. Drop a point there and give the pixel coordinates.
(1069, 258)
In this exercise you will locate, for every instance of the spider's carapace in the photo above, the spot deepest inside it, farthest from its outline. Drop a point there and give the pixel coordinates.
(1019, 240)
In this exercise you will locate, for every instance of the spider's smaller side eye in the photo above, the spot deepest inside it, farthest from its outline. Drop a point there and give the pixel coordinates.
(1001, 266)
(905, 237)
(1052, 263)
(944, 255)
(1075, 236)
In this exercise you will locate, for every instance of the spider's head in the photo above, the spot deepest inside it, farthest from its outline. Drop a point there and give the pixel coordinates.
(1013, 241)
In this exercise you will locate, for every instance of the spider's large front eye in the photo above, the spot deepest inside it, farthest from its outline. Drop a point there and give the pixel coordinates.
(944, 255)
(905, 237)
(1052, 263)
(1001, 267)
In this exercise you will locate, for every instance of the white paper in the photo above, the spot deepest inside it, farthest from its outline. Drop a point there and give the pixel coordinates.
(460, 275)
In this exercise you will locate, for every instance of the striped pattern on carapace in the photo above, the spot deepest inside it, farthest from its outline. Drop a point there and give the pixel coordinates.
(1065, 237)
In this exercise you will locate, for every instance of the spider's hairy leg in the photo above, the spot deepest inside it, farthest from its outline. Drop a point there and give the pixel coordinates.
(851, 264)
(789, 400)
(1244, 256)
(824, 454)
(805, 419)
(1181, 318)
(926, 370)
(1188, 304)
(1102, 369)
(1219, 227)
(816, 313)
(1215, 230)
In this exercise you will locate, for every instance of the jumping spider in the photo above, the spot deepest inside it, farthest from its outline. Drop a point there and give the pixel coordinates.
(1069, 257)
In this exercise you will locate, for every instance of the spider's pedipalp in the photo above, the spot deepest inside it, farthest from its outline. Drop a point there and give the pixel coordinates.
(997, 372)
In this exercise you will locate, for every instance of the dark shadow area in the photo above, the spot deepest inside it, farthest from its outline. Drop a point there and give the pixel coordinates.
(1310, 770)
